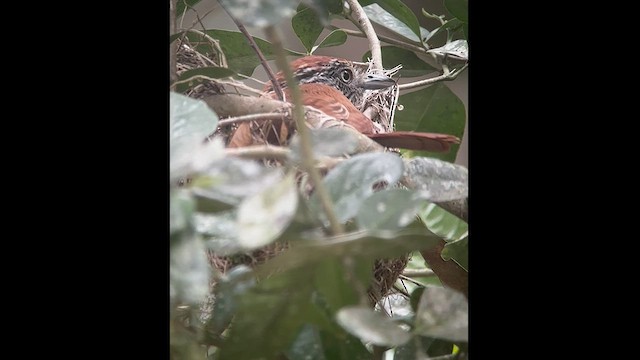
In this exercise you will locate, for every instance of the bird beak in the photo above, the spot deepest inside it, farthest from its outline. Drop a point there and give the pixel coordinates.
(375, 82)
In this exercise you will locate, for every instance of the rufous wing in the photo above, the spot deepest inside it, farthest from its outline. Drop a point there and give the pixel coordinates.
(415, 140)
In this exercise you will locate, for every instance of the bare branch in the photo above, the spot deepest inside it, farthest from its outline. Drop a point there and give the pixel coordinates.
(253, 117)
(260, 152)
(303, 131)
(362, 21)
(418, 273)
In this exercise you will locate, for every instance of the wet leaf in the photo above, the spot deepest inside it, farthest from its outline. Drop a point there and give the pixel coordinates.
(458, 251)
(457, 49)
(188, 270)
(371, 326)
(389, 13)
(443, 223)
(326, 142)
(264, 216)
(443, 313)
(351, 181)
(261, 13)
(389, 209)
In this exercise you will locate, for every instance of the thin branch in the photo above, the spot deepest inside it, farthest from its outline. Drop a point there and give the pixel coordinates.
(401, 291)
(276, 87)
(260, 152)
(396, 42)
(215, 43)
(253, 117)
(303, 131)
(447, 76)
(418, 272)
(363, 23)
(173, 47)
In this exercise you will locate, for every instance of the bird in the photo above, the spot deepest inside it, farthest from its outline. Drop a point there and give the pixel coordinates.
(337, 87)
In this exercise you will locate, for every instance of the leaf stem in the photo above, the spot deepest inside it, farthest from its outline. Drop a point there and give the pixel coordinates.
(308, 161)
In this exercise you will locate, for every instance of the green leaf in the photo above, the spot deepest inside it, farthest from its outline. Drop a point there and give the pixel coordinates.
(269, 316)
(335, 38)
(235, 179)
(181, 208)
(414, 299)
(190, 122)
(240, 56)
(182, 4)
(371, 326)
(219, 231)
(458, 8)
(188, 271)
(228, 292)
(307, 27)
(362, 244)
(351, 181)
(433, 109)
(437, 180)
(411, 64)
(452, 25)
(458, 251)
(260, 13)
(173, 37)
(307, 346)
(444, 314)
(325, 6)
(264, 216)
(333, 282)
(443, 223)
(397, 10)
(389, 209)
(194, 76)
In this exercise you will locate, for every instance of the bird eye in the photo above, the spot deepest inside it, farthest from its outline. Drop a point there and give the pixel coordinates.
(346, 75)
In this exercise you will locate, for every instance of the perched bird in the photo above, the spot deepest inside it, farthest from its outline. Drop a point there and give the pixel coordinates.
(336, 87)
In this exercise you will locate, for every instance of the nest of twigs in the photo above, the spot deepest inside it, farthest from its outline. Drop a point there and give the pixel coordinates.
(376, 106)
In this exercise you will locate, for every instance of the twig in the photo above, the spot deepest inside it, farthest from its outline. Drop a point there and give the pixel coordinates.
(256, 49)
(303, 131)
(418, 273)
(444, 77)
(253, 117)
(396, 42)
(362, 21)
(215, 43)
(260, 152)
(401, 291)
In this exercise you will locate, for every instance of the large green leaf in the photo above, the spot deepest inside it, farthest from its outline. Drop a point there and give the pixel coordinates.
(335, 38)
(307, 345)
(389, 209)
(269, 316)
(228, 292)
(336, 283)
(457, 50)
(411, 63)
(432, 109)
(184, 4)
(437, 180)
(190, 122)
(264, 216)
(240, 56)
(366, 244)
(351, 181)
(307, 27)
(371, 326)
(443, 223)
(219, 231)
(326, 142)
(444, 314)
(458, 250)
(195, 76)
(260, 13)
(458, 8)
(397, 10)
